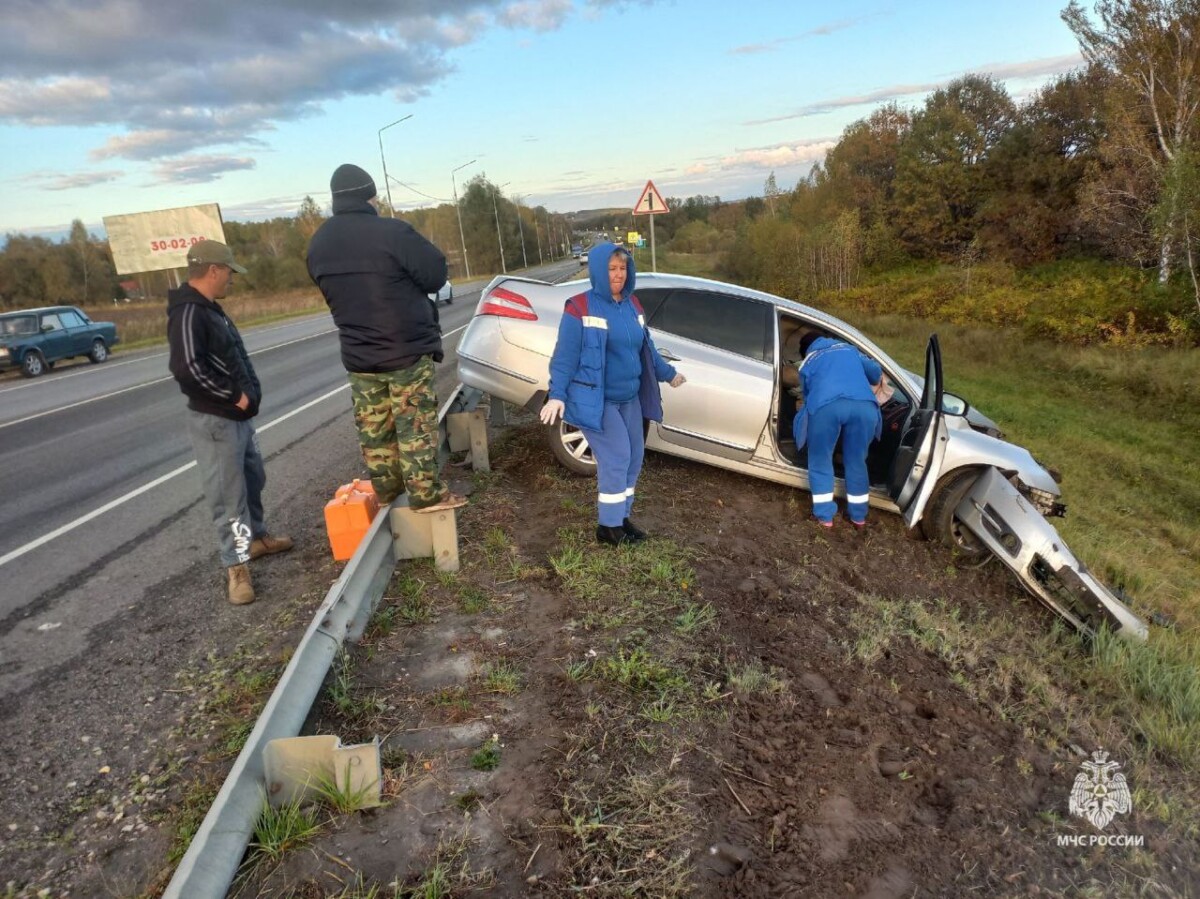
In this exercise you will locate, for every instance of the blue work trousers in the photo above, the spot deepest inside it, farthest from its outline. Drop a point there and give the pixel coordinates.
(619, 447)
(855, 421)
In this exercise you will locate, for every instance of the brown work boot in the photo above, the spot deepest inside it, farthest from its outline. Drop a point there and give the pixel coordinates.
(266, 545)
(450, 501)
(241, 591)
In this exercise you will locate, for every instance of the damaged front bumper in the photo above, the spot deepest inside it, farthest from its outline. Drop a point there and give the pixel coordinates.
(1019, 535)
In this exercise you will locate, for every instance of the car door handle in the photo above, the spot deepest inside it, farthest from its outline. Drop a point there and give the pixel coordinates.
(668, 355)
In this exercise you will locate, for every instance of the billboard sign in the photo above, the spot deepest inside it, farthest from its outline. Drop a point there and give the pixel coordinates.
(158, 240)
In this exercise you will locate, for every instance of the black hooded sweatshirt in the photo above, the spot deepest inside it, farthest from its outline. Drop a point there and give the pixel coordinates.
(208, 358)
(376, 275)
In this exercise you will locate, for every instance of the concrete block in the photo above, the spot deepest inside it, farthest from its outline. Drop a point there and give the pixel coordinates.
(422, 535)
(295, 766)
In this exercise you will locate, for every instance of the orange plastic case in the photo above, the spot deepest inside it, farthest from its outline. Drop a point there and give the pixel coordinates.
(348, 517)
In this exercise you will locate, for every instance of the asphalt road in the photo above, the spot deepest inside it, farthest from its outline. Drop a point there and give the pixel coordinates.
(101, 504)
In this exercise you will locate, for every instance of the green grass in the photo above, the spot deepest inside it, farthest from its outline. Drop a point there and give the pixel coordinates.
(280, 830)
(342, 797)
(473, 599)
(188, 817)
(487, 756)
(501, 677)
(448, 874)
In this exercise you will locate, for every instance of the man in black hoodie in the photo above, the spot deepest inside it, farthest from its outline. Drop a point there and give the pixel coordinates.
(210, 362)
(376, 275)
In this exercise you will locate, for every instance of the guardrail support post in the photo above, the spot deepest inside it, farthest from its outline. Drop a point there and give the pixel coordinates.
(468, 431)
(419, 535)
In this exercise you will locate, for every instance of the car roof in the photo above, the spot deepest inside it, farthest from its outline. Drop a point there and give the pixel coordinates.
(36, 310)
(832, 323)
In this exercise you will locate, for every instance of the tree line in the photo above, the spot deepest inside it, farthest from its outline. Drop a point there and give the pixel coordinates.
(36, 271)
(1101, 164)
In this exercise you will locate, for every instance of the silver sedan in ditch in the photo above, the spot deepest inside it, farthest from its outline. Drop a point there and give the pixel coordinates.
(942, 465)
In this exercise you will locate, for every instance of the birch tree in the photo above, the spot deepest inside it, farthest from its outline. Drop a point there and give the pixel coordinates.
(1152, 47)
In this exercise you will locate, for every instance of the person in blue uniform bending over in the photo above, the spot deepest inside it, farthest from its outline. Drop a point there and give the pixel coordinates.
(838, 400)
(604, 378)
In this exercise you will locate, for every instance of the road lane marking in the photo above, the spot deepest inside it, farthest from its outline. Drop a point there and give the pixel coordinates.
(106, 396)
(9, 424)
(108, 507)
(121, 500)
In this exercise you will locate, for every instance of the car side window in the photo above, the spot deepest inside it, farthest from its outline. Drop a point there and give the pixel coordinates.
(51, 320)
(71, 319)
(25, 324)
(729, 323)
(651, 299)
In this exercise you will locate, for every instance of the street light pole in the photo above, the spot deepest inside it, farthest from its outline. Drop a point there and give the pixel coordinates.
(383, 159)
(461, 234)
(521, 228)
(496, 210)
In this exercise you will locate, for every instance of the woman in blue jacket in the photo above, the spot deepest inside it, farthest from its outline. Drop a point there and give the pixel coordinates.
(838, 400)
(604, 378)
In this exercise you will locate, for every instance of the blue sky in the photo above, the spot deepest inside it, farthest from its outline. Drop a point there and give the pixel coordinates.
(118, 106)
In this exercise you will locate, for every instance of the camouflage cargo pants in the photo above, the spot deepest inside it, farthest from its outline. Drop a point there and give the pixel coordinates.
(396, 416)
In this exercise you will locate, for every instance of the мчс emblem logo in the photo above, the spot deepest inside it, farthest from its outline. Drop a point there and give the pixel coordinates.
(1100, 791)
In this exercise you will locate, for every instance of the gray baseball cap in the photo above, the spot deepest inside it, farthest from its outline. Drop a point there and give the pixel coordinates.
(213, 252)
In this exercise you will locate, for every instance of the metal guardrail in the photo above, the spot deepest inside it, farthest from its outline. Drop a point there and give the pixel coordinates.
(212, 859)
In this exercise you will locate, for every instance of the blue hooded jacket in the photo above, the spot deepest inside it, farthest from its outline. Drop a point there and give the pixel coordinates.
(834, 370)
(604, 352)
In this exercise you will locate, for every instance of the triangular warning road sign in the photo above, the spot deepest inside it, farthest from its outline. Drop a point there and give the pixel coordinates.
(650, 202)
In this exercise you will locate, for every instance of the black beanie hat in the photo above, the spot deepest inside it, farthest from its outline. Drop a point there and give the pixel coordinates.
(350, 181)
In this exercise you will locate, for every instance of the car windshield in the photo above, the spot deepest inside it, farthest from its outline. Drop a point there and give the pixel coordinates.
(19, 325)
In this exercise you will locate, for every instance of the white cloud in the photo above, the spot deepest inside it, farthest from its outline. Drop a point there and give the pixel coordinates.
(536, 15)
(53, 100)
(80, 179)
(1033, 68)
(199, 169)
(778, 42)
(179, 79)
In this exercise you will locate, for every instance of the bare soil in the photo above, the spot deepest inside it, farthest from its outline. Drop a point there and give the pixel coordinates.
(839, 722)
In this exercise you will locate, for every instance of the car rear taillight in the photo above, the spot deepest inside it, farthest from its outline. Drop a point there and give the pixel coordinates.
(507, 304)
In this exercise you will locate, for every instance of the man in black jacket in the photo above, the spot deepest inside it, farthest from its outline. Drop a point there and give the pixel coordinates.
(376, 274)
(213, 369)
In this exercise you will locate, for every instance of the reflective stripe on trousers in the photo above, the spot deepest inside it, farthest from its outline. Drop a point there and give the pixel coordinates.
(619, 448)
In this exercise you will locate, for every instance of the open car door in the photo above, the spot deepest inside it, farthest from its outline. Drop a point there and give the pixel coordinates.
(918, 461)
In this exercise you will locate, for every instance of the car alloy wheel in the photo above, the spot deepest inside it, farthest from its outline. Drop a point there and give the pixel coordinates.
(571, 448)
(99, 351)
(33, 364)
(941, 524)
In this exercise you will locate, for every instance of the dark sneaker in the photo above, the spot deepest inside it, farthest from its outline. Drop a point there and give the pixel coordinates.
(452, 501)
(266, 545)
(633, 532)
(611, 536)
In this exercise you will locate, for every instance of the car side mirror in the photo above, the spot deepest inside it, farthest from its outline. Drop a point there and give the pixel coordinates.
(46, 328)
(954, 405)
